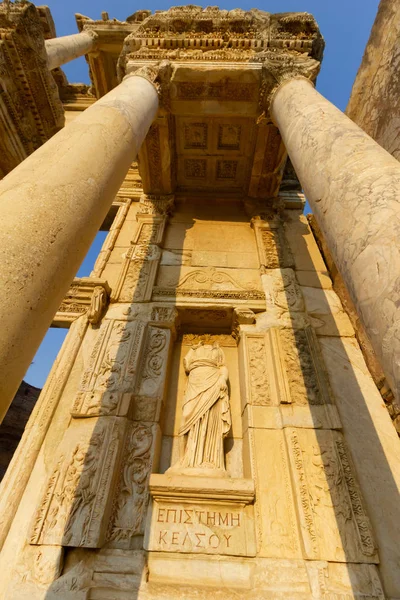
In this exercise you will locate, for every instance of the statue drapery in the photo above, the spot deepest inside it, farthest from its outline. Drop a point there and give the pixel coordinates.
(206, 416)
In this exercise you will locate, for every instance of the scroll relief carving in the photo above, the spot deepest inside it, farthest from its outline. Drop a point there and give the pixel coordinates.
(206, 416)
(76, 502)
(149, 391)
(132, 493)
(109, 378)
(333, 519)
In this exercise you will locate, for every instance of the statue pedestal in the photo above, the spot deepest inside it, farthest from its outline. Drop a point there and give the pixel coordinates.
(201, 515)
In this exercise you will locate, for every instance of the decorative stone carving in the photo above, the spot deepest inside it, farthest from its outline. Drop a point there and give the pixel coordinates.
(206, 418)
(264, 372)
(281, 67)
(87, 295)
(209, 283)
(30, 107)
(152, 204)
(108, 380)
(333, 519)
(242, 316)
(308, 382)
(273, 249)
(149, 391)
(283, 293)
(76, 502)
(132, 492)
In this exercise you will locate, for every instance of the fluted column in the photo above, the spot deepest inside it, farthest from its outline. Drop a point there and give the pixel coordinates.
(51, 208)
(64, 49)
(353, 186)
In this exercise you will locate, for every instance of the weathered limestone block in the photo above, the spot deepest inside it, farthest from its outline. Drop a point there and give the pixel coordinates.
(374, 446)
(266, 461)
(332, 515)
(284, 382)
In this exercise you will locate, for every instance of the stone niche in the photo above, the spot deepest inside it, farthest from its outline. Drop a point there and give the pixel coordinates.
(201, 510)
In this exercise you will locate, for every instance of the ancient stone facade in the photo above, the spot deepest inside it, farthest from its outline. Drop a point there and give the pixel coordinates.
(209, 428)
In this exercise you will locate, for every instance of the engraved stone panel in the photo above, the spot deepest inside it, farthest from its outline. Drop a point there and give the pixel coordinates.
(137, 274)
(333, 520)
(76, 501)
(110, 370)
(276, 521)
(282, 291)
(201, 515)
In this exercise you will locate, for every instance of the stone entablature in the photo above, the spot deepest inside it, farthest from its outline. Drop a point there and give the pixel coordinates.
(30, 109)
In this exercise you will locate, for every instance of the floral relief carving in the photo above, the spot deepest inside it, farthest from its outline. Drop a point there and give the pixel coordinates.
(73, 508)
(300, 368)
(260, 394)
(132, 492)
(111, 371)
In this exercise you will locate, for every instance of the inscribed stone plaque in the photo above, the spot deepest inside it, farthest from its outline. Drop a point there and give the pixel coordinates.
(202, 528)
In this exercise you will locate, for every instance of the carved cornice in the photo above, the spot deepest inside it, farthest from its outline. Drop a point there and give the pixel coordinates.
(87, 295)
(30, 109)
(192, 33)
(284, 45)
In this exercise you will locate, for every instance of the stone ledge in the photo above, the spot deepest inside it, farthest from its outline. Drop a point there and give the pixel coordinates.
(202, 488)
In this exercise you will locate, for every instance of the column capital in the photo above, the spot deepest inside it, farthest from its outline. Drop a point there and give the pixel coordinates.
(88, 31)
(159, 75)
(278, 68)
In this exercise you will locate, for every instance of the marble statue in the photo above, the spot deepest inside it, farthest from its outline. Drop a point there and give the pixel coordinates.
(206, 416)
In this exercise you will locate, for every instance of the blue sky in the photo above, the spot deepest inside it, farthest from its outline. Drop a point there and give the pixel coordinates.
(345, 25)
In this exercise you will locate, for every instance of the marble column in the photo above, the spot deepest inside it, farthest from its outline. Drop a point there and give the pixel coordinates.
(64, 49)
(52, 206)
(353, 186)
